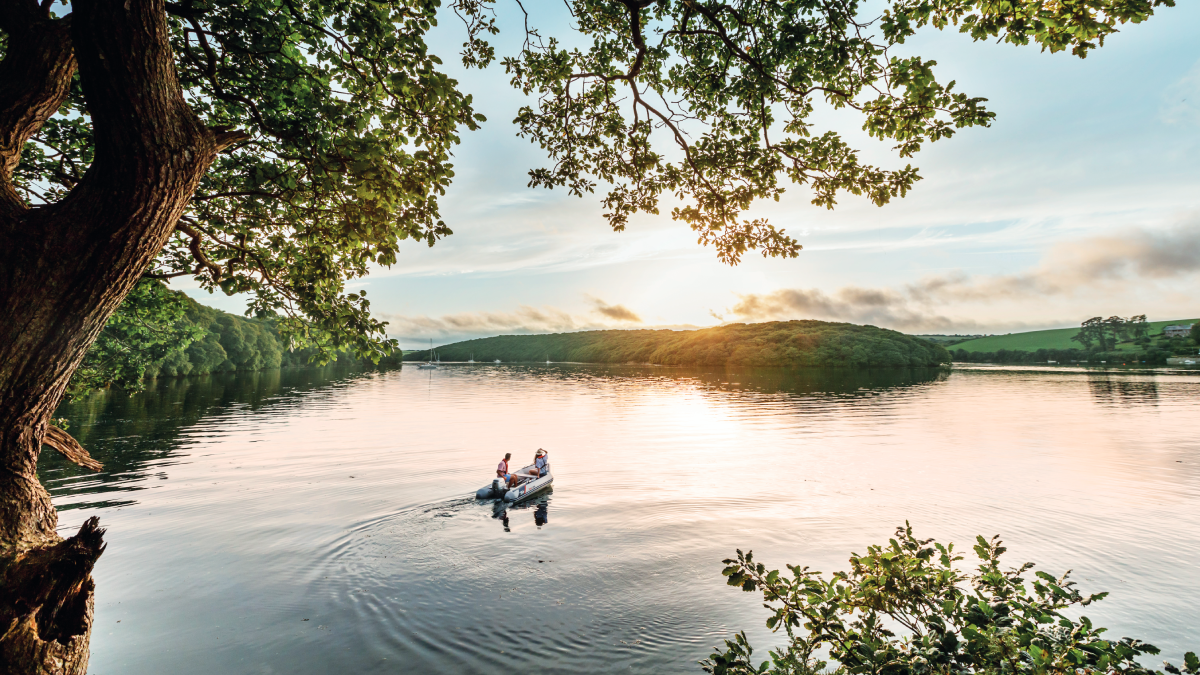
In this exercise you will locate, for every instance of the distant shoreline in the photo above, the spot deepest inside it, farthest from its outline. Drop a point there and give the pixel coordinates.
(788, 344)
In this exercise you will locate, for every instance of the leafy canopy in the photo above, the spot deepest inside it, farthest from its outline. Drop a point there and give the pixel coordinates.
(733, 85)
(351, 124)
(148, 326)
(906, 608)
(352, 121)
(1106, 333)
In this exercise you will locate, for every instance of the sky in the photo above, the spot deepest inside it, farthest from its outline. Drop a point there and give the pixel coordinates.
(1082, 199)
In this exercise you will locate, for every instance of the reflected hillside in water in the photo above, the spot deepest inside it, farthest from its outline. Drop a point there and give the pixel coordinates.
(834, 381)
(137, 436)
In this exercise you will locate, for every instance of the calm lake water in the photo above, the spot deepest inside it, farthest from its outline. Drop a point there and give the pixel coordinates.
(320, 521)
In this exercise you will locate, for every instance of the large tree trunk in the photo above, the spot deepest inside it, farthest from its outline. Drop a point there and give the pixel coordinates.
(64, 269)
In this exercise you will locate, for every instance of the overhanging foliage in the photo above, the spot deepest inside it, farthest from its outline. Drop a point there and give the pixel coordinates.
(347, 122)
(906, 608)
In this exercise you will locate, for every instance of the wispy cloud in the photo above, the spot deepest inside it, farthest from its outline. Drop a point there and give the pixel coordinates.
(1181, 101)
(614, 312)
(881, 307)
(1080, 264)
(522, 321)
(1092, 265)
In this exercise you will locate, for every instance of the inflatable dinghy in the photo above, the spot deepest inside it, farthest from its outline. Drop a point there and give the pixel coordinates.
(528, 486)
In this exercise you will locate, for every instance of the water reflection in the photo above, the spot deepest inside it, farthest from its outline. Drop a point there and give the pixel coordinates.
(137, 437)
(541, 510)
(239, 506)
(837, 381)
(1123, 390)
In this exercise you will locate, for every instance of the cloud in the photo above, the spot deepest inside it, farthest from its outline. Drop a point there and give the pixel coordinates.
(1143, 253)
(614, 312)
(523, 321)
(1077, 265)
(1181, 101)
(1091, 264)
(882, 307)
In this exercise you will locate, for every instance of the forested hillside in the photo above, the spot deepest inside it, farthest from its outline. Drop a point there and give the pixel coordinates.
(158, 332)
(163, 333)
(228, 343)
(777, 343)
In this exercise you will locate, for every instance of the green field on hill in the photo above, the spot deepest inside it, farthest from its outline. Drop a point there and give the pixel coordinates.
(1057, 338)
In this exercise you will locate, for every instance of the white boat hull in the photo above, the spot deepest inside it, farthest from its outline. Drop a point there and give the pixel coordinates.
(528, 487)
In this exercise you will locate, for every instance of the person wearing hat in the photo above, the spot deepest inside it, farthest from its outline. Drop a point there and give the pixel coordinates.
(541, 463)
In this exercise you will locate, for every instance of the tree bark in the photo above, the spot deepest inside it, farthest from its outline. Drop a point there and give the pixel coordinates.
(70, 448)
(64, 269)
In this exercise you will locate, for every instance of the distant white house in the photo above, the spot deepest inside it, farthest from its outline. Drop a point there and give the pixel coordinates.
(1177, 331)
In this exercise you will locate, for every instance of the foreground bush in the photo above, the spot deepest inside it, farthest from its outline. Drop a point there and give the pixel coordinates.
(905, 608)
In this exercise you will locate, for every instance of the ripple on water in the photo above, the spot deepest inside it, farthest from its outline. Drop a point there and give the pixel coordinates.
(241, 507)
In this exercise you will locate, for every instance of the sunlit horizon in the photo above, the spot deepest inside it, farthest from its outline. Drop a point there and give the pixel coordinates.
(1079, 201)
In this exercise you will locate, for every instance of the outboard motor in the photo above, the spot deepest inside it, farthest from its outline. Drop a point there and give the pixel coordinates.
(496, 489)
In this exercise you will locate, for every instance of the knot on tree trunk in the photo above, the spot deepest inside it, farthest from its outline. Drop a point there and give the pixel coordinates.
(46, 604)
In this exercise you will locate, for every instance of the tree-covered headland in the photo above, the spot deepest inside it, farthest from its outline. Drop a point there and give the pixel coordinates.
(279, 149)
(773, 343)
(158, 332)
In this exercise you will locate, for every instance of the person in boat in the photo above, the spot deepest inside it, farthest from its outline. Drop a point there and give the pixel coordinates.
(541, 461)
(502, 471)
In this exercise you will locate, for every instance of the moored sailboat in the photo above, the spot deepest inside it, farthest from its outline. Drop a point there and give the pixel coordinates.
(430, 365)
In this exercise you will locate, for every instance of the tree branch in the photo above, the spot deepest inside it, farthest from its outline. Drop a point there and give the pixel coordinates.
(141, 122)
(35, 77)
(164, 277)
(226, 138)
(214, 269)
(70, 448)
